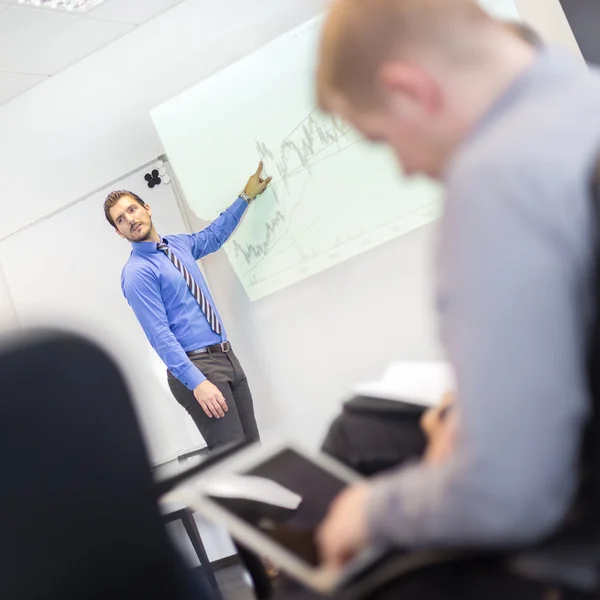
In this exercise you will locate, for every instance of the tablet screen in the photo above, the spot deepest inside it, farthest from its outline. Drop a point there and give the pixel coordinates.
(294, 529)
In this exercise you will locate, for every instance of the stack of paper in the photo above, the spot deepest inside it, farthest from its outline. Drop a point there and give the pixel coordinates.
(250, 487)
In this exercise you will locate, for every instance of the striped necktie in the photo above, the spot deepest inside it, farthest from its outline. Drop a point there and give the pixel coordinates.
(207, 309)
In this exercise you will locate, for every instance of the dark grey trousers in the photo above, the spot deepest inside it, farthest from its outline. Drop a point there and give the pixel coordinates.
(222, 369)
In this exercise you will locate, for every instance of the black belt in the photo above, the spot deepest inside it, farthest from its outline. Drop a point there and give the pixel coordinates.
(222, 347)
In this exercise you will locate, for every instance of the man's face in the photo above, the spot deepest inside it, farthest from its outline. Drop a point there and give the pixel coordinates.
(132, 220)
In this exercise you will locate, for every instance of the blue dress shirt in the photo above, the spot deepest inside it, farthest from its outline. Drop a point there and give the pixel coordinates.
(161, 299)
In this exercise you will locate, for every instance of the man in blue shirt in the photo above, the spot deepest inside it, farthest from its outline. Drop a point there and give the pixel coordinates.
(165, 288)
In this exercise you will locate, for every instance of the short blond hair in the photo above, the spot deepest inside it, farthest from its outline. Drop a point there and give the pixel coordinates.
(360, 35)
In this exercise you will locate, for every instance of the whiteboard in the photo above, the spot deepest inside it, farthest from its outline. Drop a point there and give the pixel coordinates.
(333, 196)
(66, 270)
(502, 9)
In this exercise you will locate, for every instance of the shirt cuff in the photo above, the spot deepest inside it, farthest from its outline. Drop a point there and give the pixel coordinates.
(390, 520)
(239, 207)
(192, 377)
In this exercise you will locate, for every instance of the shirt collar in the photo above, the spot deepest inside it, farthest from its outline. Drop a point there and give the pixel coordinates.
(550, 62)
(147, 247)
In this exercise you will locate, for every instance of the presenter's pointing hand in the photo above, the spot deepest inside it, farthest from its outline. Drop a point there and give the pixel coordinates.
(256, 184)
(211, 400)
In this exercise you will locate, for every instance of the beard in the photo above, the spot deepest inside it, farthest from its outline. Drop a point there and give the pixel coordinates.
(142, 234)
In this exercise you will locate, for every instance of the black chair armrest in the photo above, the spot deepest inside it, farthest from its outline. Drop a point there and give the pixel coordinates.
(382, 406)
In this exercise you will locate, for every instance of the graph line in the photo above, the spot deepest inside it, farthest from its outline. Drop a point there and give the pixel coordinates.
(303, 144)
(260, 251)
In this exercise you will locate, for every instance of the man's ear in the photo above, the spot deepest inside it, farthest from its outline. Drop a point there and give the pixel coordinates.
(411, 83)
(119, 233)
(147, 207)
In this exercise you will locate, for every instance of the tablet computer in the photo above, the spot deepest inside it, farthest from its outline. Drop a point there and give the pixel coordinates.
(272, 498)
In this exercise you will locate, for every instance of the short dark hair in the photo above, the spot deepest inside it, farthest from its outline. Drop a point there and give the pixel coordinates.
(113, 198)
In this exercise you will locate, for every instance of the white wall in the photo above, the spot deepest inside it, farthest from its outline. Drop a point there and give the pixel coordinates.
(8, 313)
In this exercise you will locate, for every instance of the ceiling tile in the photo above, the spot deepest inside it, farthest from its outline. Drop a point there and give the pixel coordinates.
(13, 84)
(131, 11)
(67, 47)
(21, 28)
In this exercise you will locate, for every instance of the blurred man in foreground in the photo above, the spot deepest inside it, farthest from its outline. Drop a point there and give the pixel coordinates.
(513, 132)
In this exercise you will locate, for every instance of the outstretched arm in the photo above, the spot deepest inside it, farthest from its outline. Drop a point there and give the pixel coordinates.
(219, 231)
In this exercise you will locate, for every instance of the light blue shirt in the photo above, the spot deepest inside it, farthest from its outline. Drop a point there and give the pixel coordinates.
(514, 291)
(162, 301)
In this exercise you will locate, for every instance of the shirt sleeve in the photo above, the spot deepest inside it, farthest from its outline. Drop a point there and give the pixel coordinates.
(512, 312)
(211, 238)
(141, 289)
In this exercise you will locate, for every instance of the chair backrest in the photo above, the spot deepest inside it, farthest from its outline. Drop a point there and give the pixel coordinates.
(78, 510)
(591, 453)
(579, 534)
(588, 505)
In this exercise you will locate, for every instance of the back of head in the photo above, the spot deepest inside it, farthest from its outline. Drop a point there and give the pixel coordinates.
(78, 507)
(360, 35)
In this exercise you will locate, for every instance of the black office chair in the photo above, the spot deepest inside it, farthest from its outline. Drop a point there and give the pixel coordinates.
(78, 511)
